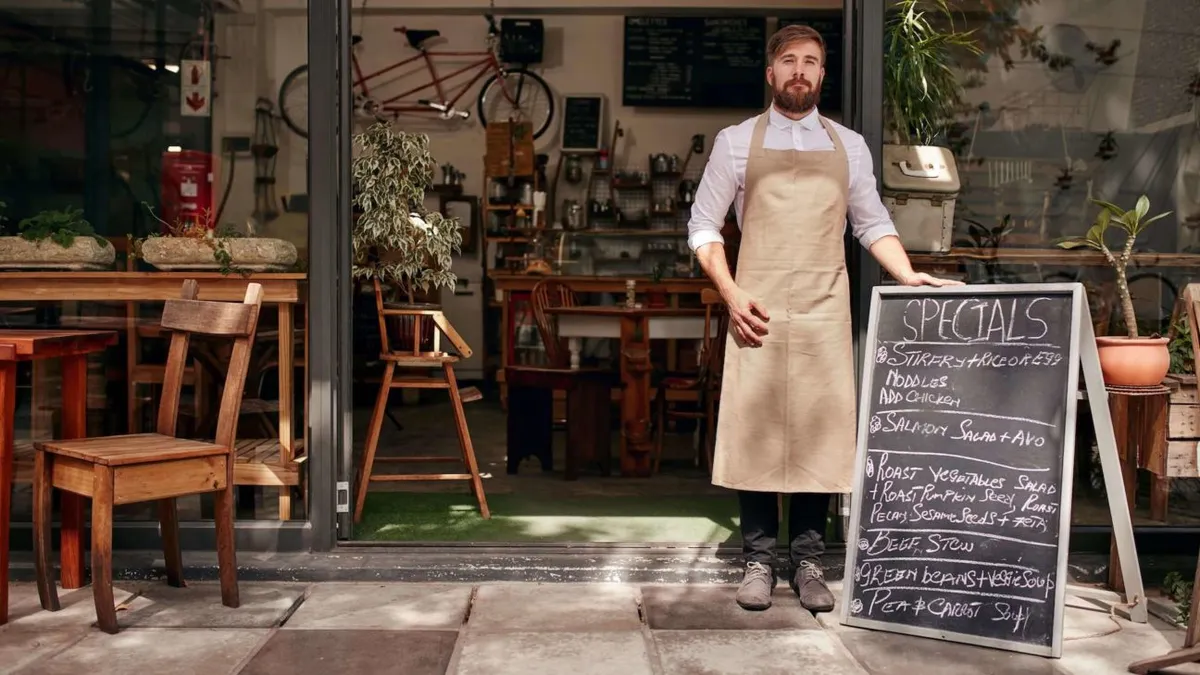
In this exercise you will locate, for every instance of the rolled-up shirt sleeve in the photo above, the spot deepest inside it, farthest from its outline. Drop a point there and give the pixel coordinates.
(717, 190)
(869, 218)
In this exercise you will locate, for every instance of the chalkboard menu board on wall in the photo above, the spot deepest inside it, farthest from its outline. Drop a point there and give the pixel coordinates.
(961, 508)
(583, 122)
(829, 24)
(695, 62)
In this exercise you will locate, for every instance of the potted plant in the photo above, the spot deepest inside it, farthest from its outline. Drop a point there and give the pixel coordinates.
(1128, 360)
(396, 239)
(922, 97)
(656, 296)
(61, 239)
(200, 245)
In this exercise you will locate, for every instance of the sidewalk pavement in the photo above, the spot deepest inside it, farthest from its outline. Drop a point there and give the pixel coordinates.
(366, 628)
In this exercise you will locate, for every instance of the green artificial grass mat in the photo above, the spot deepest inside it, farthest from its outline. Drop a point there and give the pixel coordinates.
(441, 517)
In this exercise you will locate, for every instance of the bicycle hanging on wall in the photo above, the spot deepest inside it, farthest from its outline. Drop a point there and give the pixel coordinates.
(508, 93)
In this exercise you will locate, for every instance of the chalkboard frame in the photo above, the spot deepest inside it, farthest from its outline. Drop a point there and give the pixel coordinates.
(602, 125)
(1078, 305)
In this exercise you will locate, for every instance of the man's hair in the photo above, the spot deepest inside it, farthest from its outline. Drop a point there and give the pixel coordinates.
(790, 34)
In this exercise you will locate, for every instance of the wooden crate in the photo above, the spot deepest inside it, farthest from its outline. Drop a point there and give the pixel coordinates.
(1183, 430)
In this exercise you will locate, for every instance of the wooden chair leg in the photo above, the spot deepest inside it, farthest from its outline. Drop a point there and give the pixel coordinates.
(661, 431)
(168, 523)
(43, 466)
(226, 547)
(102, 509)
(464, 441)
(367, 463)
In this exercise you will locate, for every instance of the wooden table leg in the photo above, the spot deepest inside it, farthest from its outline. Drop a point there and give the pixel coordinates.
(8, 407)
(286, 397)
(74, 425)
(636, 367)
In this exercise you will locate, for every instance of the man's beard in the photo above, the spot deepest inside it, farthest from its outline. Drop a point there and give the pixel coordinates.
(791, 101)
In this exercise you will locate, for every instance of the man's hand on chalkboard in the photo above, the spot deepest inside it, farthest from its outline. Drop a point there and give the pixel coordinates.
(744, 314)
(923, 279)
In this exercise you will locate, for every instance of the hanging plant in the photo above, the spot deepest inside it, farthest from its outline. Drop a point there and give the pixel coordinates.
(396, 240)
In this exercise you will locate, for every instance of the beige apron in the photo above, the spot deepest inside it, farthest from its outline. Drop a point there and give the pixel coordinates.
(787, 416)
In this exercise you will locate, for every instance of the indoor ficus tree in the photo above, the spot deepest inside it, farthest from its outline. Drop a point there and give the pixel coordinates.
(395, 238)
(1132, 222)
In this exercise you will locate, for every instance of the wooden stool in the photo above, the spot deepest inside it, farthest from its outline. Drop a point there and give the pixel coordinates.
(1139, 419)
(418, 360)
(153, 467)
(531, 411)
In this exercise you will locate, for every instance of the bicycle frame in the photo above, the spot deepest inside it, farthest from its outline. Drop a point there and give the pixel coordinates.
(487, 64)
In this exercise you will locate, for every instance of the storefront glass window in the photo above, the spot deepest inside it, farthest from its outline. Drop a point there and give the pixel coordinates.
(153, 127)
(1065, 103)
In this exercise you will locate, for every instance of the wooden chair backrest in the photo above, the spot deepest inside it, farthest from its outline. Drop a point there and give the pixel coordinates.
(712, 350)
(188, 316)
(546, 294)
(1190, 300)
(420, 330)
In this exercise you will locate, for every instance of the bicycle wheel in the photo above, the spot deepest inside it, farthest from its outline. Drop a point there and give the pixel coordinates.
(293, 100)
(526, 88)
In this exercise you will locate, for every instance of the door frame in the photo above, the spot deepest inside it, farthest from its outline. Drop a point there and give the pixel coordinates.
(330, 277)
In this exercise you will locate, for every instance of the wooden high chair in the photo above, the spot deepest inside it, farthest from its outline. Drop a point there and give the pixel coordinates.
(158, 467)
(412, 357)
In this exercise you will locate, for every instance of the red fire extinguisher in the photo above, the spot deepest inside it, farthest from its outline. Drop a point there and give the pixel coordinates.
(187, 188)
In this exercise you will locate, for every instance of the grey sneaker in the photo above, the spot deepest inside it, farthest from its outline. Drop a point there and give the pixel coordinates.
(809, 583)
(757, 584)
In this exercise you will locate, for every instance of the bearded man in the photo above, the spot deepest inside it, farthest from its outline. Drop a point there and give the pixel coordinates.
(787, 419)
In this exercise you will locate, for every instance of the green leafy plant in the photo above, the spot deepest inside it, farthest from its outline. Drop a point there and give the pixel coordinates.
(922, 92)
(1132, 222)
(60, 227)
(1179, 589)
(1183, 358)
(397, 240)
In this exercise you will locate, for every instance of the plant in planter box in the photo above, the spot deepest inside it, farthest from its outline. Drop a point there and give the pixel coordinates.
(61, 239)
(396, 240)
(199, 245)
(1129, 360)
(922, 97)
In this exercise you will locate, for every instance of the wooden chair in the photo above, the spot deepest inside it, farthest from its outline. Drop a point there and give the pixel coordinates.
(158, 466)
(531, 397)
(420, 329)
(706, 383)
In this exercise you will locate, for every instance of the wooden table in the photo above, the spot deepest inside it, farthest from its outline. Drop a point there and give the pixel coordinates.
(634, 328)
(256, 466)
(72, 347)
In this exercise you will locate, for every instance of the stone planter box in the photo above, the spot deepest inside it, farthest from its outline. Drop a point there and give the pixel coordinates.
(253, 254)
(85, 253)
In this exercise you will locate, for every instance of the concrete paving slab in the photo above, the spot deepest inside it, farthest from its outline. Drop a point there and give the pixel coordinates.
(607, 653)
(362, 652)
(78, 609)
(263, 605)
(1112, 650)
(555, 607)
(390, 606)
(21, 648)
(883, 653)
(690, 607)
(722, 652)
(200, 651)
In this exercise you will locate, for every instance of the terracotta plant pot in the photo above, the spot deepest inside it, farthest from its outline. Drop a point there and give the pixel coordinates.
(1133, 362)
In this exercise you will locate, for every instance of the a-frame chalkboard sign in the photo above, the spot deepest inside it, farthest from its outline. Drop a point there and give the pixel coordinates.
(961, 511)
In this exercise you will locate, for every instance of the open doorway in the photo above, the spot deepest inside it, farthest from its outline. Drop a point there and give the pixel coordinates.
(587, 425)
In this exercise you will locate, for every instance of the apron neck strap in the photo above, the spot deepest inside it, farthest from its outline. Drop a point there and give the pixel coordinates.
(760, 132)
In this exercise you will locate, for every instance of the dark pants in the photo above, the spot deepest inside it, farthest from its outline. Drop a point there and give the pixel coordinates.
(807, 512)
